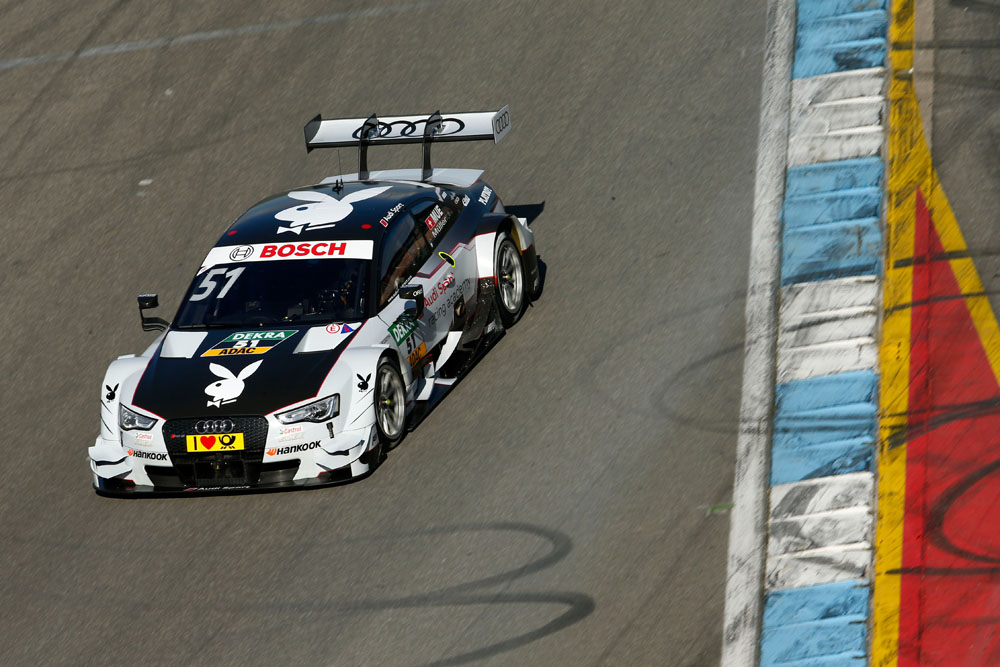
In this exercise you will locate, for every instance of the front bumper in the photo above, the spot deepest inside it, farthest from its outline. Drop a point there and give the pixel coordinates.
(274, 464)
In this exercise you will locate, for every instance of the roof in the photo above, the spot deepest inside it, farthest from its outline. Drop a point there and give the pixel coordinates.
(321, 212)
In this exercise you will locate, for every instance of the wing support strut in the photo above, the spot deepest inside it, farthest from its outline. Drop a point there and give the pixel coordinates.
(368, 132)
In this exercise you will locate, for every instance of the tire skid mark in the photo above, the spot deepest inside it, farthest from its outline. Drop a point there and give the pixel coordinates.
(475, 593)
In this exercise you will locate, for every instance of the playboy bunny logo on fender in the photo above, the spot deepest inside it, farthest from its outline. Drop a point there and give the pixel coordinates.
(229, 388)
(323, 211)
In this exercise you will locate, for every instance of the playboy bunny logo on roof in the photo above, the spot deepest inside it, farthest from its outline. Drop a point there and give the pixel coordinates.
(323, 210)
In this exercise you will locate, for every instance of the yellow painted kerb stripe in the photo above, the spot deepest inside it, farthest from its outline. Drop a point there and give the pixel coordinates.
(907, 165)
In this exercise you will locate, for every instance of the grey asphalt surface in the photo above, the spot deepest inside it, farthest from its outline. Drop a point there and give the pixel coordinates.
(555, 508)
(958, 69)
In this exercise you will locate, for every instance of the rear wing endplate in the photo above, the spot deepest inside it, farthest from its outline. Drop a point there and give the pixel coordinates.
(425, 130)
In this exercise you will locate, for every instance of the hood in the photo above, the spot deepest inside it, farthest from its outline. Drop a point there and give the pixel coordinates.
(229, 372)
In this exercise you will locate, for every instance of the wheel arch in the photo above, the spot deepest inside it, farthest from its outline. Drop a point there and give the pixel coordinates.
(524, 239)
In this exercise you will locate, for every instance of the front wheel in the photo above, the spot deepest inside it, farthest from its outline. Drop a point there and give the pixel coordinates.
(390, 404)
(509, 271)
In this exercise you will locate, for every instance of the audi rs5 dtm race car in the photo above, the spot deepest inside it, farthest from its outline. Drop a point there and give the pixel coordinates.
(323, 323)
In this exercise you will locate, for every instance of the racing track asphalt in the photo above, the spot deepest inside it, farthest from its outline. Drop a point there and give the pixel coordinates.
(557, 507)
(958, 54)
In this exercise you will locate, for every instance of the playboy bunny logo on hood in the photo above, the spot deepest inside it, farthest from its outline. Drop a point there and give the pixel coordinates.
(323, 211)
(229, 388)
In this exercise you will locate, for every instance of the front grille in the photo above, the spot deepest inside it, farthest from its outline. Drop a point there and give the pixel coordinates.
(215, 469)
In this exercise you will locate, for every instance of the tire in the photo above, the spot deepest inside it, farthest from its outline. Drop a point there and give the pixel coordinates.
(508, 268)
(535, 291)
(390, 404)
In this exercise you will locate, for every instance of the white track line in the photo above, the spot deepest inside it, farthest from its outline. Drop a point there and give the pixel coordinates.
(748, 522)
(225, 33)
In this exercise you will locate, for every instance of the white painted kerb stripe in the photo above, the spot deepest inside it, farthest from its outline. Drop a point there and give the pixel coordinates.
(747, 537)
(827, 565)
(847, 106)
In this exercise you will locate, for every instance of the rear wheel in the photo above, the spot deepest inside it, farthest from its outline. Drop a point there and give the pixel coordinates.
(390, 404)
(509, 271)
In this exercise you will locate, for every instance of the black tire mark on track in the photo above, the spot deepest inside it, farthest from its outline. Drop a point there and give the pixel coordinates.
(579, 605)
(943, 503)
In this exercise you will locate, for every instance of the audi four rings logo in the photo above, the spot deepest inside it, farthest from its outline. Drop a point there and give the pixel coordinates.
(408, 127)
(241, 252)
(500, 124)
(214, 426)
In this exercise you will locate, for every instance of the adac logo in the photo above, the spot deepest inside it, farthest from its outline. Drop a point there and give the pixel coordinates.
(418, 354)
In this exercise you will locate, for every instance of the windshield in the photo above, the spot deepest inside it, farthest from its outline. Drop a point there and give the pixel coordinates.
(301, 291)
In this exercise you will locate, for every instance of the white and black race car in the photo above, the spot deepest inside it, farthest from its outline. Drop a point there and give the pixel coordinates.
(325, 322)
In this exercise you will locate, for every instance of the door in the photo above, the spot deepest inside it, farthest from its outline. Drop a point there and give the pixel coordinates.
(449, 274)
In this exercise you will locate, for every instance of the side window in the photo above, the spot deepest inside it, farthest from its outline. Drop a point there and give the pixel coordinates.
(434, 218)
(404, 250)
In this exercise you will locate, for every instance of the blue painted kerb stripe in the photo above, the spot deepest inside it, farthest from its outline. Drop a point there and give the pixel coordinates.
(824, 426)
(816, 625)
(839, 35)
(831, 221)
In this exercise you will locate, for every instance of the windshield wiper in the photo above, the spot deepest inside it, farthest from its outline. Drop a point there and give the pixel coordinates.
(230, 325)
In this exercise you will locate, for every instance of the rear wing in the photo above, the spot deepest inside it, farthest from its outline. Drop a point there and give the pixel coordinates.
(425, 130)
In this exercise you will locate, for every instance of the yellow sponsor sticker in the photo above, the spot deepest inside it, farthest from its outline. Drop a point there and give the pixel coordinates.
(235, 350)
(418, 354)
(219, 442)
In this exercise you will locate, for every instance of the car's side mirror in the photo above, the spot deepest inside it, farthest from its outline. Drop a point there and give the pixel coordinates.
(151, 323)
(416, 293)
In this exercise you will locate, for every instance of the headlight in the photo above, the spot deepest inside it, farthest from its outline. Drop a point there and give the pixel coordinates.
(129, 420)
(317, 411)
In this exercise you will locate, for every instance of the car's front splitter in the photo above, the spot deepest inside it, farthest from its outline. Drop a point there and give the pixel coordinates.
(123, 488)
